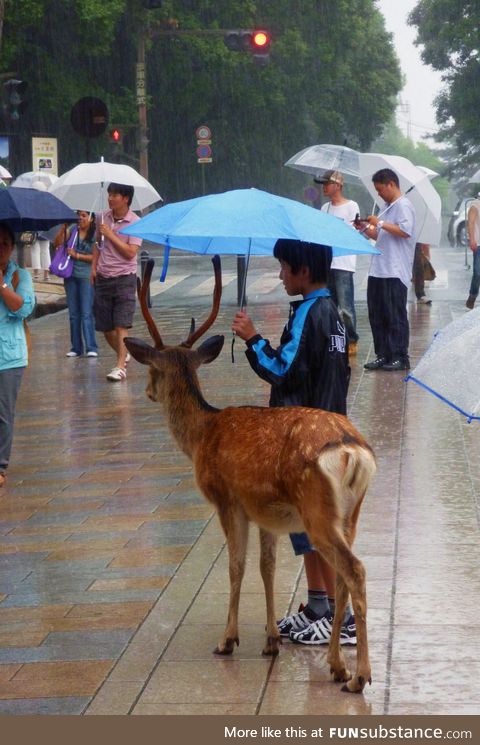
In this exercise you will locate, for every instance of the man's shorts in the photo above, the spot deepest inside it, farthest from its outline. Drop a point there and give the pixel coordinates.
(114, 302)
(301, 544)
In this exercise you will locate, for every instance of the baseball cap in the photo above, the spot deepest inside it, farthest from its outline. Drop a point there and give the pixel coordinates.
(330, 177)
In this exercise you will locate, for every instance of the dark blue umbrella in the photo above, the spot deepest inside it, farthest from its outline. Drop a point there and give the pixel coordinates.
(30, 209)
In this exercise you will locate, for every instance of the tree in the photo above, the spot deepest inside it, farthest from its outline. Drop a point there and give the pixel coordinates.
(449, 31)
(326, 82)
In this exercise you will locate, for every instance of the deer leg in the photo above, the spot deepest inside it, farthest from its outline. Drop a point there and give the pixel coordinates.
(235, 526)
(336, 658)
(353, 574)
(268, 552)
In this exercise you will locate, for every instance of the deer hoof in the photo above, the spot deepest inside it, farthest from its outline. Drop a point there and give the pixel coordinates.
(271, 647)
(227, 646)
(356, 684)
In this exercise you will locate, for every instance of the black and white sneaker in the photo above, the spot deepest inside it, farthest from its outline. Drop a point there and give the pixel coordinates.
(296, 621)
(319, 632)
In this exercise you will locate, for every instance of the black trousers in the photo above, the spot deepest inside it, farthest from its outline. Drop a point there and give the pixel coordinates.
(387, 313)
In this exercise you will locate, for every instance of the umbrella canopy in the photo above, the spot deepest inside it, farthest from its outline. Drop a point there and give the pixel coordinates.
(29, 209)
(428, 172)
(317, 159)
(475, 179)
(446, 368)
(85, 186)
(245, 221)
(415, 185)
(30, 178)
(4, 173)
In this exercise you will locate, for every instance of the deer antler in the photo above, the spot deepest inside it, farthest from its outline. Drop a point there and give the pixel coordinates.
(217, 294)
(142, 290)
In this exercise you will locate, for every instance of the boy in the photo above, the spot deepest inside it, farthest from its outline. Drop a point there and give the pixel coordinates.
(309, 368)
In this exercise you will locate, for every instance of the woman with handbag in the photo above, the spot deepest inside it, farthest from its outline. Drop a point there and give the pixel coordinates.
(17, 301)
(79, 241)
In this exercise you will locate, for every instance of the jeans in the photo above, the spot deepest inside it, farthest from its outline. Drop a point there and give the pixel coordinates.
(340, 284)
(79, 294)
(475, 283)
(387, 313)
(9, 386)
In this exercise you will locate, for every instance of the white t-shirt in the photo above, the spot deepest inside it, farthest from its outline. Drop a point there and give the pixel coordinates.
(347, 213)
(396, 259)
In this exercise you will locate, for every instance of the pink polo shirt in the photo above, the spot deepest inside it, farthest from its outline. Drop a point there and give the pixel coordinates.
(111, 263)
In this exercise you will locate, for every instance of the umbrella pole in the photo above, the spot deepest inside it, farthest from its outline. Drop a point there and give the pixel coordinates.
(243, 298)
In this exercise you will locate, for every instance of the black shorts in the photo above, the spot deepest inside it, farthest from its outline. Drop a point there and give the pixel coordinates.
(114, 302)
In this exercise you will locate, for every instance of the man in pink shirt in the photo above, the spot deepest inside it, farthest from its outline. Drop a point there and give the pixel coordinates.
(114, 274)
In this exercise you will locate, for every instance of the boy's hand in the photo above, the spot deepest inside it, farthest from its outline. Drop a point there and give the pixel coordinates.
(242, 326)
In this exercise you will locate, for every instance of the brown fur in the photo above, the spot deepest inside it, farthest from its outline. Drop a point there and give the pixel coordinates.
(286, 469)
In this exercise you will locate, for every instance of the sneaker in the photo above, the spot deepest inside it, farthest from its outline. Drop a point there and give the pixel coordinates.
(296, 622)
(320, 632)
(92, 354)
(401, 363)
(317, 633)
(376, 364)
(72, 354)
(470, 302)
(117, 374)
(424, 300)
(128, 358)
(348, 634)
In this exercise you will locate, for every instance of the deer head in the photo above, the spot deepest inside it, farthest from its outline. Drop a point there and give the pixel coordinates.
(166, 360)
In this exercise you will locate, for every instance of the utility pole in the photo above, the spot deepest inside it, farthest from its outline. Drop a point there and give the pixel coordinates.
(2, 16)
(142, 104)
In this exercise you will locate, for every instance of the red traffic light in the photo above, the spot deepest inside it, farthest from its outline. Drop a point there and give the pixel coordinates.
(260, 40)
(116, 135)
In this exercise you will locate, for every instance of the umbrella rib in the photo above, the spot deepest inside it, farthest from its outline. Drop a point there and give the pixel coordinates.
(470, 417)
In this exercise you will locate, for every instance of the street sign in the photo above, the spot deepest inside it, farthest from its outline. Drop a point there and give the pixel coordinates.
(141, 88)
(204, 151)
(311, 194)
(89, 116)
(203, 132)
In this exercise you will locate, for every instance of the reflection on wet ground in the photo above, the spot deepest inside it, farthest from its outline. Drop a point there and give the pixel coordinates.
(113, 588)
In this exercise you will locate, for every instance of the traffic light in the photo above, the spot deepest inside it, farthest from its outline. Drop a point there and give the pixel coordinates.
(116, 135)
(256, 41)
(15, 104)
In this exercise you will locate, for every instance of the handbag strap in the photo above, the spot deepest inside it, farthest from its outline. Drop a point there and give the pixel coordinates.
(28, 337)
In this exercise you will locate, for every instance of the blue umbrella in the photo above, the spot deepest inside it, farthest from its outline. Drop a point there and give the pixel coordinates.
(245, 221)
(30, 209)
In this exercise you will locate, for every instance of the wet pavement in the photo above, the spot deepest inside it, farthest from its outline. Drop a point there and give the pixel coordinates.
(114, 581)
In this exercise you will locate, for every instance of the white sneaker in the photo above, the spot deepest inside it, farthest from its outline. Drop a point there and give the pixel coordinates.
(424, 300)
(72, 354)
(117, 374)
(92, 354)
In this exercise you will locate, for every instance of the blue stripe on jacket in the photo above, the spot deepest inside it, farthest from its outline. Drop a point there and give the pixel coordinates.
(280, 365)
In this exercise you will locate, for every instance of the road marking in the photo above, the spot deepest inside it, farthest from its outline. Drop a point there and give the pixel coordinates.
(264, 284)
(206, 287)
(157, 287)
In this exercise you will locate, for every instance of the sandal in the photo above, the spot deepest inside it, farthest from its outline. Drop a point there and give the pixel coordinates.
(118, 373)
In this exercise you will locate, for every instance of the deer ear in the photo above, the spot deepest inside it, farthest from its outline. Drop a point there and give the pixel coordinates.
(210, 349)
(140, 350)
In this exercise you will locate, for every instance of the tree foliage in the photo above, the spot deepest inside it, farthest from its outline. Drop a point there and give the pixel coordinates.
(449, 32)
(326, 82)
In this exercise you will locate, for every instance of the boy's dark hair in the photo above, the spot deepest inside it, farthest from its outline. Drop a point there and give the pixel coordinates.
(384, 176)
(123, 189)
(4, 226)
(315, 256)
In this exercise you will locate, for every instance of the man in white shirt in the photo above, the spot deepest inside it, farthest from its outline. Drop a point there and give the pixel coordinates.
(340, 281)
(473, 230)
(390, 273)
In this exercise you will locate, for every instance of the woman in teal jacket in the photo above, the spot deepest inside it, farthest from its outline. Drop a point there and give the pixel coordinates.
(17, 301)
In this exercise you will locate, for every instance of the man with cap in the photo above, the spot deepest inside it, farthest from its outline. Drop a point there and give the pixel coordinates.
(340, 281)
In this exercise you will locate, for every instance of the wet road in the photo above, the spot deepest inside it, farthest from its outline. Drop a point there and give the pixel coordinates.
(113, 589)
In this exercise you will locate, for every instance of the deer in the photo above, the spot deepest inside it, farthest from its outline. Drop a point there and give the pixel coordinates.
(312, 471)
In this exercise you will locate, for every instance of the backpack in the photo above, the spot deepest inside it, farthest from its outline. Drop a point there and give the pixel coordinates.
(28, 338)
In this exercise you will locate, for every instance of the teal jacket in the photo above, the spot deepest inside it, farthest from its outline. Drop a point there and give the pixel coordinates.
(13, 344)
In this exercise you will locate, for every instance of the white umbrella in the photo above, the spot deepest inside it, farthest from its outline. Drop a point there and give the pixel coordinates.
(415, 185)
(446, 368)
(475, 179)
(85, 186)
(4, 173)
(428, 171)
(317, 159)
(28, 179)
